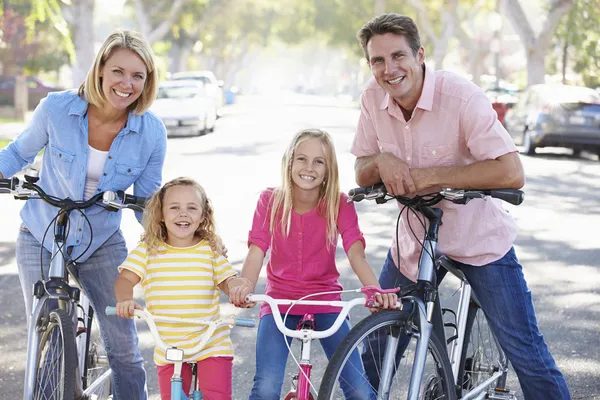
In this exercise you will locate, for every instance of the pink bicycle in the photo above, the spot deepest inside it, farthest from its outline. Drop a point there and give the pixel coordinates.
(302, 388)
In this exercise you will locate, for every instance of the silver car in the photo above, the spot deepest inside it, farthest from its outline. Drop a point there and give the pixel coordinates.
(552, 115)
(185, 108)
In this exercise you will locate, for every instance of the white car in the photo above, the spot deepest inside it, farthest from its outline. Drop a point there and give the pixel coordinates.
(214, 87)
(185, 108)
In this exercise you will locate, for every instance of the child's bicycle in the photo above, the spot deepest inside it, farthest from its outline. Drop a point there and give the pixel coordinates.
(305, 332)
(470, 364)
(176, 355)
(64, 360)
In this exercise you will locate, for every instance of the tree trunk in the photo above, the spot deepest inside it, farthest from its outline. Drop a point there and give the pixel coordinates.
(81, 22)
(176, 57)
(565, 58)
(21, 95)
(536, 68)
(536, 47)
(379, 7)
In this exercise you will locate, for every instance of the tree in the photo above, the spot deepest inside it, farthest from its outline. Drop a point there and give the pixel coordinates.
(536, 46)
(578, 31)
(79, 15)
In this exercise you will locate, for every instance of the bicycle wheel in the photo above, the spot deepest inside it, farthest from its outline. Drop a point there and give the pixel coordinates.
(57, 359)
(481, 356)
(370, 338)
(97, 377)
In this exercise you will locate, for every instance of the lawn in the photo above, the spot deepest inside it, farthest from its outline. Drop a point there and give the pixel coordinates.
(4, 143)
(10, 121)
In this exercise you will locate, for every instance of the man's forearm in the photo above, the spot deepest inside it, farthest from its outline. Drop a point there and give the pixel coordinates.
(366, 171)
(506, 172)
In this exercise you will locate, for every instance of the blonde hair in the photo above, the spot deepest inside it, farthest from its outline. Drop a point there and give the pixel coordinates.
(329, 195)
(91, 88)
(155, 231)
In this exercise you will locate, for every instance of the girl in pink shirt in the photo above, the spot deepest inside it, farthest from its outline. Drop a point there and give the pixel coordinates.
(300, 223)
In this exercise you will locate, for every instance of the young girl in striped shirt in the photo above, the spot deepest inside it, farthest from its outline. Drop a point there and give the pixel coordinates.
(181, 267)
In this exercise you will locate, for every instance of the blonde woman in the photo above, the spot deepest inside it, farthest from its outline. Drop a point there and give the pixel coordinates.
(180, 245)
(300, 222)
(98, 138)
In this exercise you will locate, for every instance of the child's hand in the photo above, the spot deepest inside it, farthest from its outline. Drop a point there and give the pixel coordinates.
(385, 301)
(125, 308)
(239, 289)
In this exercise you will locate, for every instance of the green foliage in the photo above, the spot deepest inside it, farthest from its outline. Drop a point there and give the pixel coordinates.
(578, 31)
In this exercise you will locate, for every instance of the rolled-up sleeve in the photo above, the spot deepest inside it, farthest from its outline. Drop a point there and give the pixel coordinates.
(259, 235)
(27, 145)
(485, 136)
(347, 225)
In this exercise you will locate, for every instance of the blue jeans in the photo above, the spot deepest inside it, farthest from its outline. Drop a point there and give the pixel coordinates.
(272, 354)
(97, 275)
(506, 301)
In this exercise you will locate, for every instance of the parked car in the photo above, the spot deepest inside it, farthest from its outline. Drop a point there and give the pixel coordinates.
(214, 87)
(185, 108)
(37, 90)
(556, 115)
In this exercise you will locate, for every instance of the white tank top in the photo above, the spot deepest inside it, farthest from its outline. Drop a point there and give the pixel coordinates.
(96, 160)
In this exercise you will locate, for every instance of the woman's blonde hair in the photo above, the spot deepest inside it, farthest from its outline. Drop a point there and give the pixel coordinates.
(155, 231)
(91, 88)
(329, 195)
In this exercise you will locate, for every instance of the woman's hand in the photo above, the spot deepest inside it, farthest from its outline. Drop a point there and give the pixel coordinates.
(126, 308)
(239, 289)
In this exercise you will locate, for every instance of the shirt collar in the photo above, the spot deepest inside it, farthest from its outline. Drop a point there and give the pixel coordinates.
(79, 107)
(425, 101)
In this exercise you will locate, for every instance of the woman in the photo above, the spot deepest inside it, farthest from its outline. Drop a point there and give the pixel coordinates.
(98, 138)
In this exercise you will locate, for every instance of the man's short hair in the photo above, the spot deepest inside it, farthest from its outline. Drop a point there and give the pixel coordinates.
(390, 23)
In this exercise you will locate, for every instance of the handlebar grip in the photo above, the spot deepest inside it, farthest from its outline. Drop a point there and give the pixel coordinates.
(511, 196)
(9, 183)
(366, 189)
(135, 200)
(111, 310)
(247, 322)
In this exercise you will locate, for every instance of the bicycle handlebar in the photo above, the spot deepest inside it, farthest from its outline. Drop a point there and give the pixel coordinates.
(379, 193)
(346, 306)
(27, 189)
(150, 319)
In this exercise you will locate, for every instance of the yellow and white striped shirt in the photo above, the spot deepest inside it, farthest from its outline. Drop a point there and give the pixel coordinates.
(183, 283)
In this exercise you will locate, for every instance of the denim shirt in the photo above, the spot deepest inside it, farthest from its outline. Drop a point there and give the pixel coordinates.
(60, 126)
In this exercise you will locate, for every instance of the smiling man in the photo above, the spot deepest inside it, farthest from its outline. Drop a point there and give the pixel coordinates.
(420, 130)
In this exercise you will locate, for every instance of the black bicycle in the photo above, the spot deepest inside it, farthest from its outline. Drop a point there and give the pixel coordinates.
(413, 356)
(61, 339)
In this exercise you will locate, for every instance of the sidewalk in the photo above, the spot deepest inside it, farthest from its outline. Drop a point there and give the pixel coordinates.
(11, 130)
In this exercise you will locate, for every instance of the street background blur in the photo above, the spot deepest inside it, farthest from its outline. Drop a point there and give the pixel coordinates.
(260, 70)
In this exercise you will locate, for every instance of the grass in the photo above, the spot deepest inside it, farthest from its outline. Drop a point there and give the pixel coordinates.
(4, 143)
(10, 120)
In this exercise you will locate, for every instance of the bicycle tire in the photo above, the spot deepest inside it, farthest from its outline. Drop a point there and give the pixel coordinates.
(58, 330)
(398, 320)
(482, 357)
(96, 362)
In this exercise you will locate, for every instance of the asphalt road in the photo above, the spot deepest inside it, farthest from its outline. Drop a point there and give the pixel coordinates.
(558, 242)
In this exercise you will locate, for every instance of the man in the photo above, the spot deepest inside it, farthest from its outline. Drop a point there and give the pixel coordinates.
(420, 130)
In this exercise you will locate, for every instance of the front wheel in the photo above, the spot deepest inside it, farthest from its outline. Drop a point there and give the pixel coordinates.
(57, 359)
(391, 333)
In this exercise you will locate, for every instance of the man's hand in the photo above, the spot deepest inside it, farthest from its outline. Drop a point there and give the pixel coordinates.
(395, 174)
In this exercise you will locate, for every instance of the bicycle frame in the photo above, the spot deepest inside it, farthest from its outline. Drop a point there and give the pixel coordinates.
(176, 355)
(306, 334)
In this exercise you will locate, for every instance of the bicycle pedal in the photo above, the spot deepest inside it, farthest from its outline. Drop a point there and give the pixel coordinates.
(501, 394)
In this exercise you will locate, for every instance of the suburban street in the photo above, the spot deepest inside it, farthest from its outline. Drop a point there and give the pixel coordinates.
(558, 243)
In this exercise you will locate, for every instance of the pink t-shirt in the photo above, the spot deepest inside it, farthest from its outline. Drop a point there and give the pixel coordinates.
(453, 124)
(302, 263)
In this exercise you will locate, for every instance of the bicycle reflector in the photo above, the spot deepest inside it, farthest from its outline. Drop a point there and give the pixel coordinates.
(174, 354)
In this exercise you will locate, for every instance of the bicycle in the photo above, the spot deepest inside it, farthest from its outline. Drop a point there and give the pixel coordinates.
(305, 332)
(60, 344)
(460, 366)
(176, 355)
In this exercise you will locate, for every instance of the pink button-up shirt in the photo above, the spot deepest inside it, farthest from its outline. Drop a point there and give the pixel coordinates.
(453, 124)
(302, 263)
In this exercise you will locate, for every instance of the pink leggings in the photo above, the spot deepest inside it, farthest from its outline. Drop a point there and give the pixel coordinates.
(214, 377)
